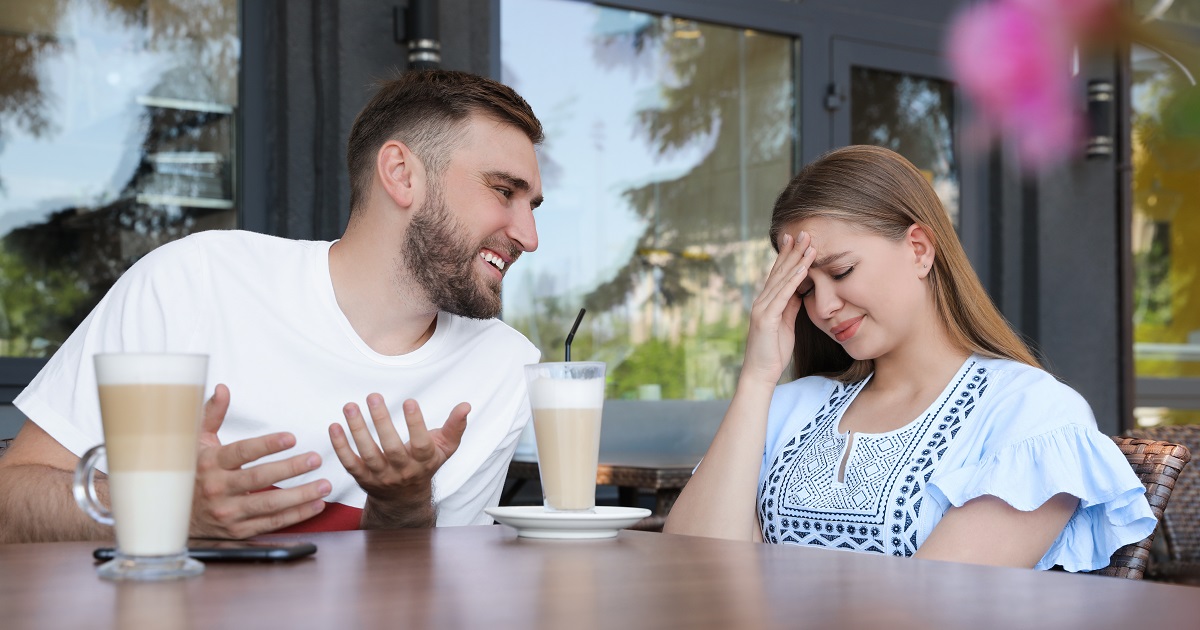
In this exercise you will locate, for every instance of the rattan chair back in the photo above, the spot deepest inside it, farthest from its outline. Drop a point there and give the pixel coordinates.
(1181, 525)
(1157, 465)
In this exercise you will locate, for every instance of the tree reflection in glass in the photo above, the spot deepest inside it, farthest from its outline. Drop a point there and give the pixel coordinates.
(667, 142)
(115, 137)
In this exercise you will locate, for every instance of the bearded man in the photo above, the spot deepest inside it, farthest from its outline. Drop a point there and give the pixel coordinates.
(401, 309)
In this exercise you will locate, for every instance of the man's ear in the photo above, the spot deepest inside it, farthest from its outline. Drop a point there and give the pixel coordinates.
(917, 237)
(400, 173)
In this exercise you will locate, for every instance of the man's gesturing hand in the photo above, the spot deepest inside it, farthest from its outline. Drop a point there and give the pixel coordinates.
(225, 503)
(396, 476)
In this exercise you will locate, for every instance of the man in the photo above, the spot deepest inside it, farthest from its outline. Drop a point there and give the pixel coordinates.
(444, 182)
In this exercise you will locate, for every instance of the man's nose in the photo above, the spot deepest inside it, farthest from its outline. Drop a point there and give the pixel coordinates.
(523, 229)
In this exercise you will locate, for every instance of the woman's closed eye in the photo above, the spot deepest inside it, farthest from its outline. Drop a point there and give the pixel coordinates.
(806, 289)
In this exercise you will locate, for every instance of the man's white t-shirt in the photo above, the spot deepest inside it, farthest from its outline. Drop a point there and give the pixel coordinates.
(263, 309)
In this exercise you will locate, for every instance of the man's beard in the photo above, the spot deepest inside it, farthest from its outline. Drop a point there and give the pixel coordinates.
(442, 263)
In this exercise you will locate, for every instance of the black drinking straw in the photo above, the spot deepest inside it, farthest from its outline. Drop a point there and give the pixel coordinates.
(571, 335)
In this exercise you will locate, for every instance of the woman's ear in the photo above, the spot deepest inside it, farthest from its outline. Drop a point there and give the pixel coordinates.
(917, 237)
(400, 173)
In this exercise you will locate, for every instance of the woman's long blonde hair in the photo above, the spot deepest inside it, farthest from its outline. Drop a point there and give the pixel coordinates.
(879, 192)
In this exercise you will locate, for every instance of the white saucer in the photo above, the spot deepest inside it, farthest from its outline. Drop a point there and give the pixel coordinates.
(534, 521)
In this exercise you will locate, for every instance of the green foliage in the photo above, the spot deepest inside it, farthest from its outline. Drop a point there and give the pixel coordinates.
(654, 362)
(38, 306)
(1151, 286)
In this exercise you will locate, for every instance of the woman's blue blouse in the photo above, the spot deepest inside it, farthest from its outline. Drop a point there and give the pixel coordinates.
(1000, 428)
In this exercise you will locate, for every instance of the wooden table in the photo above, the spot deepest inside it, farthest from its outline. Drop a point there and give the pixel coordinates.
(665, 475)
(485, 577)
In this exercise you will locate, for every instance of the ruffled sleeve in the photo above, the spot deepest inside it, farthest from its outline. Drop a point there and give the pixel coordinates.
(1060, 451)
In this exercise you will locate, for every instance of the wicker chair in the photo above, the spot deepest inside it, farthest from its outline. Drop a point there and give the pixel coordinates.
(1177, 559)
(1158, 465)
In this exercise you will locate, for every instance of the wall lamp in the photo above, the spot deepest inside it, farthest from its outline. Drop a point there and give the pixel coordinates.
(1100, 118)
(415, 23)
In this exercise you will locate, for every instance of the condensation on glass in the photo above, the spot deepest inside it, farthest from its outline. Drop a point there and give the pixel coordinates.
(913, 116)
(116, 136)
(667, 142)
(1165, 229)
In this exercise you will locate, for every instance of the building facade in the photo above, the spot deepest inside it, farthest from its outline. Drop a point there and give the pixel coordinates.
(671, 125)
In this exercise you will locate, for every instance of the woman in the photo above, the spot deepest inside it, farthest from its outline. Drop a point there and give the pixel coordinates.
(919, 423)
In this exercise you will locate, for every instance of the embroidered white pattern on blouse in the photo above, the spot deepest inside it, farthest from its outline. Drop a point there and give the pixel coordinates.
(875, 507)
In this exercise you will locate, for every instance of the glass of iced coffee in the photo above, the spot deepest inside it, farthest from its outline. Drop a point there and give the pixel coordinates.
(150, 406)
(567, 400)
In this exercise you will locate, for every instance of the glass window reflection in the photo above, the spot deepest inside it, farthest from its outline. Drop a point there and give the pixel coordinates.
(116, 135)
(667, 142)
(913, 116)
(1166, 225)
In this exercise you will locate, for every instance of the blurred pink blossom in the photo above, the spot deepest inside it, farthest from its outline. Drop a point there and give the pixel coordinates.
(1082, 16)
(1014, 64)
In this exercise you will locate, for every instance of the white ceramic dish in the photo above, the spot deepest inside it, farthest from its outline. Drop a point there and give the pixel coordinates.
(534, 521)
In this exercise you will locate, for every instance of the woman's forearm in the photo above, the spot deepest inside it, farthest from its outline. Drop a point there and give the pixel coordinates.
(719, 500)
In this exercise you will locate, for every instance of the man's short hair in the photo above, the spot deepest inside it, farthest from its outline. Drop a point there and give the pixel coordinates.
(427, 110)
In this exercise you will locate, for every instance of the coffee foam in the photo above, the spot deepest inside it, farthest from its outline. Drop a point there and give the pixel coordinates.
(165, 369)
(551, 393)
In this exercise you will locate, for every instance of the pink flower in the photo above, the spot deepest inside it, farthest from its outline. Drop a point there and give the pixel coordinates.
(1082, 16)
(1015, 66)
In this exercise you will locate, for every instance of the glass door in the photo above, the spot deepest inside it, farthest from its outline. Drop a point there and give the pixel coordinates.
(901, 99)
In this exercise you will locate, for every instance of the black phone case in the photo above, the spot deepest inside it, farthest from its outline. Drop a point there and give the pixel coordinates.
(235, 551)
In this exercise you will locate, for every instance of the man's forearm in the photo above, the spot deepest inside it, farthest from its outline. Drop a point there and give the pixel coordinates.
(377, 515)
(37, 505)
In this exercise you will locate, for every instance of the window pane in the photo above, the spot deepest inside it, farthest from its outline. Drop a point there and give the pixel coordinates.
(1166, 226)
(116, 135)
(667, 142)
(913, 116)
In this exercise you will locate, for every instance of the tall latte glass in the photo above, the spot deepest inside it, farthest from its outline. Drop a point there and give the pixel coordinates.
(150, 405)
(567, 399)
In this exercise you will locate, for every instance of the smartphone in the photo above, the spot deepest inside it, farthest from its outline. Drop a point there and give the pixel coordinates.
(234, 551)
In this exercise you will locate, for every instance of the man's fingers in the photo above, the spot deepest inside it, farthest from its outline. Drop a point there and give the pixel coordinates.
(215, 409)
(234, 456)
(368, 450)
(345, 454)
(262, 512)
(389, 438)
(266, 475)
(420, 444)
(279, 499)
(450, 435)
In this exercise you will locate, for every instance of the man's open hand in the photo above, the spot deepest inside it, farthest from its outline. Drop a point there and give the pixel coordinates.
(226, 502)
(397, 476)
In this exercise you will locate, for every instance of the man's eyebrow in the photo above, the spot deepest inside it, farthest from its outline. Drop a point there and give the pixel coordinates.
(516, 182)
(830, 259)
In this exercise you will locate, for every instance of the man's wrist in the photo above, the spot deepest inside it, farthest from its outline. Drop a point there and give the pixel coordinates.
(379, 514)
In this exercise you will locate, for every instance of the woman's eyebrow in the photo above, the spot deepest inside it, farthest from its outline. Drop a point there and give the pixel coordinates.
(830, 259)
